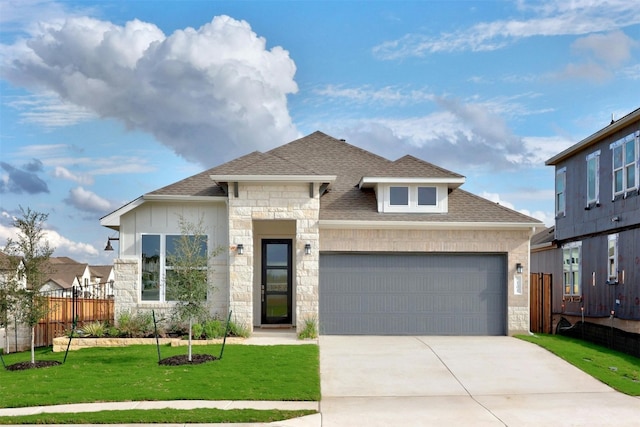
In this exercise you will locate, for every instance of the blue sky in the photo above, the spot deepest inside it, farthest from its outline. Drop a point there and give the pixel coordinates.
(103, 101)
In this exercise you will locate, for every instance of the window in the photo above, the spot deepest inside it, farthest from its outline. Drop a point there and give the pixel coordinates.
(612, 255)
(157, 251)
(413, 198)
(427, 196)
(625, 164)
(561, 183)
(571, 269)
(593, 179)
(399, 196)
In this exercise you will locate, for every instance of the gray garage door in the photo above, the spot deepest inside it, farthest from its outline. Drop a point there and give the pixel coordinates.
(412, 294)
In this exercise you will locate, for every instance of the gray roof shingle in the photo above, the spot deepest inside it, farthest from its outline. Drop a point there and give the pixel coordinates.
(321, 154)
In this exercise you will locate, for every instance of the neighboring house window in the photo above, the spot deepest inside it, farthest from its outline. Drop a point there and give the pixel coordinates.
(571, 269)
(612, 255)
(561, 184)
(155, 249)
(625, 164)
(593, 179)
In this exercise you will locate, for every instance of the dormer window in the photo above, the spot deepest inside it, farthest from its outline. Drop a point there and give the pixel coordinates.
(410, 198)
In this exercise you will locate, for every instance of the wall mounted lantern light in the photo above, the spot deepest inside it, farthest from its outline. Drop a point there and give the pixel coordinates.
(109, 247)
(307, 249)
(519, 268)
(240, 248)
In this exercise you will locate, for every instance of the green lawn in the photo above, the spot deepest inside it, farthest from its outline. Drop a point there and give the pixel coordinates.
(618, 370)
(282, 372)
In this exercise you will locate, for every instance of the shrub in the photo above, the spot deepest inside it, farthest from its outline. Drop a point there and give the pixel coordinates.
(95, 329)
(238, 330)
(310, 329)
(138, 324)
(214, 328)
(196, 331)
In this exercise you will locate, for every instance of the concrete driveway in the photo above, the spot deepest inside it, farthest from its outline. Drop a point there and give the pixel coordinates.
(460, 381)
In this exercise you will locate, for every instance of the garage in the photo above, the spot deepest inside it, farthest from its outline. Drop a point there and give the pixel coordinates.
(412, 294)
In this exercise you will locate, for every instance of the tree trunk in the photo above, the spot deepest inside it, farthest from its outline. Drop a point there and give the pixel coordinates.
(190, 333)
(33, 344)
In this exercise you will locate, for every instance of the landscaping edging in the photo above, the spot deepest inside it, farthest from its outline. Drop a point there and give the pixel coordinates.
(60, 343)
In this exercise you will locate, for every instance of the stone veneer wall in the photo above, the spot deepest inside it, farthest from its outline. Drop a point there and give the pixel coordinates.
(273, 201)
(515, 243)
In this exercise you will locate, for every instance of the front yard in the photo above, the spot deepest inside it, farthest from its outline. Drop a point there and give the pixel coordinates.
(281, 372)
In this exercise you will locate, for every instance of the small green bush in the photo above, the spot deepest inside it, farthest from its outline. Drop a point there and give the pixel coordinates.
(95, 329)
(214, 328)
(238, 330)
(138, 324)
(196, 331)
(310, 329)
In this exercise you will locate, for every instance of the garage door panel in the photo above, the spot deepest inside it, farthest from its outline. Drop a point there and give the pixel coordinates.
(399, 294)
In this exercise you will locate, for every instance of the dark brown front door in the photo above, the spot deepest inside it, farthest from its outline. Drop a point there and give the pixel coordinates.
(276, 281)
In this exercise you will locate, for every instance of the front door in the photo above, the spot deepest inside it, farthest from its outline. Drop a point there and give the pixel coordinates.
(276, 281)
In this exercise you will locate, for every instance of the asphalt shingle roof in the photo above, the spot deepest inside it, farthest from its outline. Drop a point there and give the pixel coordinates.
(321, 154)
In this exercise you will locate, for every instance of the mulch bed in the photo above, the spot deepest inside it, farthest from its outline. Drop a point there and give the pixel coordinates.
(183, 359)
(21, 366)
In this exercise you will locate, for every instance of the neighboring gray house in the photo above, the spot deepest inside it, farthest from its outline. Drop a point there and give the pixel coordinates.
(597, 228)
(320, 229)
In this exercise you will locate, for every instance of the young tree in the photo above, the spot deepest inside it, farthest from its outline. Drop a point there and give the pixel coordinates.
(31, 244)
(186, 280)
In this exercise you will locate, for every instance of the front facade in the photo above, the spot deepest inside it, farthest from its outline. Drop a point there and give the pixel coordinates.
(319, 230)
(597, 227)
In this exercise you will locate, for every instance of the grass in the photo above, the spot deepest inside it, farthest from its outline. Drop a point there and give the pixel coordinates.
(618, 370)
(133, 374)
(160, 416)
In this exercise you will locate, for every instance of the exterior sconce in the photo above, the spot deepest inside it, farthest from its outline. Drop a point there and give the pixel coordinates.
(307, 249)
(519, 268)
(240, 249)
(109, 247)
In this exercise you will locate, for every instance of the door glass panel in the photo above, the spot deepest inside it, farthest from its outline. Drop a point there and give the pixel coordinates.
(277, 254)
(277, 306)
(277, 280)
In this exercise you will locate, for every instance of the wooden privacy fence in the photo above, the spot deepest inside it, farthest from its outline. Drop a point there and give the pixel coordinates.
(86, 304)
(540, 303)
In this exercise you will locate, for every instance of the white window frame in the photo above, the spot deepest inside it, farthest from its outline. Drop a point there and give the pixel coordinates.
(412, 206)
(571, 269)
(162, 273)
(561, 196)
(612, 258)
(595, 180)
(625, 166)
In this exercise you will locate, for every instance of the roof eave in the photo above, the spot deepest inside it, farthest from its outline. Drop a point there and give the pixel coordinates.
(273, 178)
(367, 181)
(596, 137)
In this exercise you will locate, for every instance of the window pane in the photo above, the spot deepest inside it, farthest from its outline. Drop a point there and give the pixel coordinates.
(194, 249)
(617, 179)
(150, 268)
(399, 196)
(629, 152)
(631, 176)
(617, 157)
(427, 196)
(591, 179)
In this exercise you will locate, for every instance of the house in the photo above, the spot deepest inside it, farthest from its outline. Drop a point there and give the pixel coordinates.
(318, 229)
(13, 336)
(102, 279)
(596, 263)
(63, 274)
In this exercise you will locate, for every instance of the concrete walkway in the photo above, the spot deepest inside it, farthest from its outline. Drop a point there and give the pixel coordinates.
(460, 381)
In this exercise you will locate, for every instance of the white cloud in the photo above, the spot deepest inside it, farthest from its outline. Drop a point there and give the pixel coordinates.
(87, 201)
(612, 48)
(201, 92)
(62, 246)
(368, 94)
(547, 18)
(64, 173)
(49, 111)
